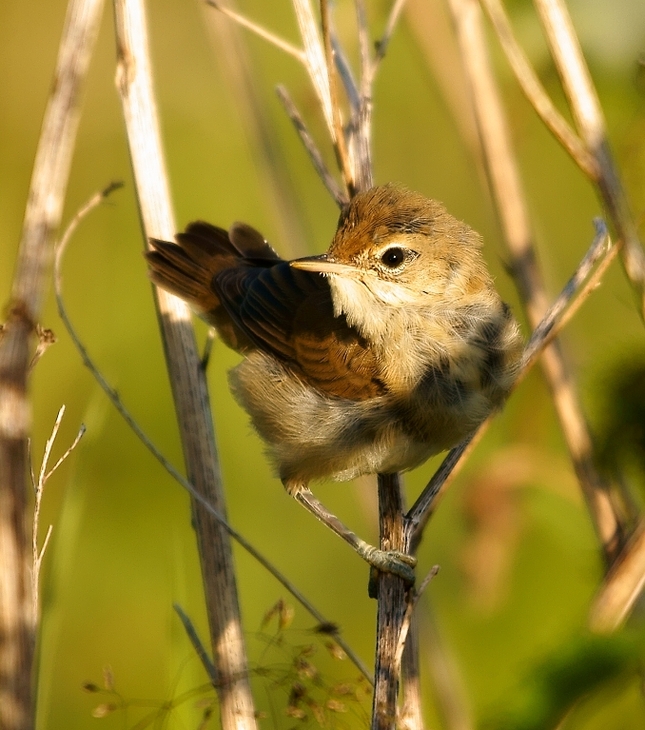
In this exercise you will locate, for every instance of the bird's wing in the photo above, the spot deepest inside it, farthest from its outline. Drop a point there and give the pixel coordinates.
(289, 313)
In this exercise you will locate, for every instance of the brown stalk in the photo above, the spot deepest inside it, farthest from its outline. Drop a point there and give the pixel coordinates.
(263, 33)
(511, 207)
(590, 121)
(42, 218)
(392, 603)
(411, 715)
(134, 83)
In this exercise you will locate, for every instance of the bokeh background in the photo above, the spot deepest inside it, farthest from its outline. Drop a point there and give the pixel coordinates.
(502, 626)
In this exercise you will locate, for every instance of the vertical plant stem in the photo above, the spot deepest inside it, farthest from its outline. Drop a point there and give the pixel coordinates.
(42, 218)
(392, 603)
(511, 206)
(134, 82)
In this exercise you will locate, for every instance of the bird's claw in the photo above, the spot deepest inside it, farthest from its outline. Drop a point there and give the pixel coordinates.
(390, 561)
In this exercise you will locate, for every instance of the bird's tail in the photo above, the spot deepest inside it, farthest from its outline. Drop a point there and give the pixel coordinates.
(188, 268)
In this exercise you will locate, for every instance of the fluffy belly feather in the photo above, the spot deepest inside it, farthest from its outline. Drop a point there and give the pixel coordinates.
(310, 435)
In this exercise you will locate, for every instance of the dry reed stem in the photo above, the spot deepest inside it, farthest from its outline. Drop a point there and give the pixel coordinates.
(134, 83)
(608, 610)
(622, 587)
(315, 61)
(42, 218)
(590, 121)
(411, 712)
(392, 604)
(356, 170)
(535, 92)
(261, 32)
(511, 206)
(407, 654)
(347, 167)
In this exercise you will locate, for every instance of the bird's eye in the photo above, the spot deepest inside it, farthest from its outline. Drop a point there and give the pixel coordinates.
(393, 257)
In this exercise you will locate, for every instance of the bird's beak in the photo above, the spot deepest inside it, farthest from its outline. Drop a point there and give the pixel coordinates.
(323, 265)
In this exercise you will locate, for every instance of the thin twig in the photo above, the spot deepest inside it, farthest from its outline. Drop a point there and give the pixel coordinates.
(590, 121)
(411, 706)
(263, 33)
(412, 604)
(316, 66)
(535, 92)
(340, 146)
(622, 587)
(199, 648)
(39, 488)
(591, 285)
(114, 398)
(364, 48)
(539, 335)
(310, 146)
(228, 43)
(345, 73)
(382, 44)
(419, 514)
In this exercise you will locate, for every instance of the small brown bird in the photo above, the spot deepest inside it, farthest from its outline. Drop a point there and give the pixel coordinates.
(390, 348)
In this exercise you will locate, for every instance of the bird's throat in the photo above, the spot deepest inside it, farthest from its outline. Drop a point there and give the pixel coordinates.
(368, 303)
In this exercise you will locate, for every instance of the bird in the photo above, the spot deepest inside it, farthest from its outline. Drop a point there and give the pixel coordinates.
(389, 348)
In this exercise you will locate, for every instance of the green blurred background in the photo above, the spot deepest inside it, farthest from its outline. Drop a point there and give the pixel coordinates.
(503, 623)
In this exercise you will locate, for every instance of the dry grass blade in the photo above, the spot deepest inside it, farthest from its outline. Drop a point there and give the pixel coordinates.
(228, 44)
(261, 32)
(201, 652)
(542, 334)
(39, 487)
(383, 43)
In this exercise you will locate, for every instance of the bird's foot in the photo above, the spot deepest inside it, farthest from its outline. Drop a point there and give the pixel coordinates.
(390, 561)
